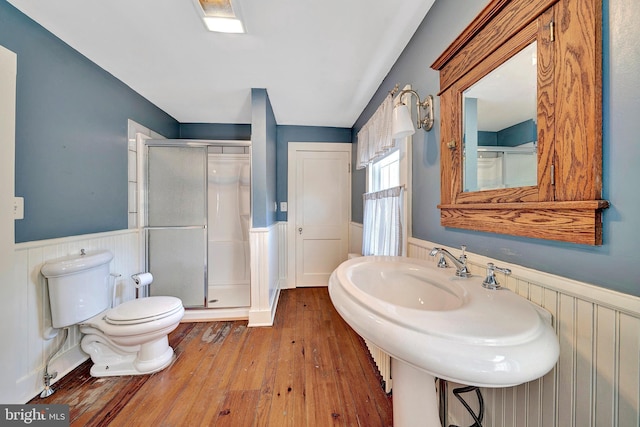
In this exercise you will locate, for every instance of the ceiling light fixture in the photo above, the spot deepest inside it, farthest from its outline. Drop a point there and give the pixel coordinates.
(221, 16)
(224, 25)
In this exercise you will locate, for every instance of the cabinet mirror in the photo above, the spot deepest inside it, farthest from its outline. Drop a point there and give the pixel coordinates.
(521, 122)
(500, 125)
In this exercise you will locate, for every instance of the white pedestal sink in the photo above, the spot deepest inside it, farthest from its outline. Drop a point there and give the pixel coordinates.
(434, 324)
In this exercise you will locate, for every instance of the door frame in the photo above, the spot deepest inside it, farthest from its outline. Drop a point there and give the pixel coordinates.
(144, 143)
(10, 293)
(8, 72)
(149, 229)
(293, 149)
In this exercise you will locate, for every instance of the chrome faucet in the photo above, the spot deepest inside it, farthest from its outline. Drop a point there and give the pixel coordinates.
(460, 263)
(490, 281)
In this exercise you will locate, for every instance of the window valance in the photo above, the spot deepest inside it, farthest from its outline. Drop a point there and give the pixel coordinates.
(374, 139)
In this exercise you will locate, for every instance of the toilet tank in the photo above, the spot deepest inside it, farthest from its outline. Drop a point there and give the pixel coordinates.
(78, 286)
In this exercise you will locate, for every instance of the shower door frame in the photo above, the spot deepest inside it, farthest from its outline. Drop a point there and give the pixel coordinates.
(196, 143)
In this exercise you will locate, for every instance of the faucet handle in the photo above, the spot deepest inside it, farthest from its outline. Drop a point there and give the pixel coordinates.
(442, 262)
(463, 271)
(463, 257)
(490, 282)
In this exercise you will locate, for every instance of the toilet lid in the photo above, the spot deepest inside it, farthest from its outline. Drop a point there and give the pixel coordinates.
(143, 310)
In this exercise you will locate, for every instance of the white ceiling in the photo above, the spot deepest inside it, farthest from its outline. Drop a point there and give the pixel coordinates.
(320, 61)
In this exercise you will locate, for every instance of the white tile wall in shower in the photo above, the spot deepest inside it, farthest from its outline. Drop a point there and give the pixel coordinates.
(134, 169)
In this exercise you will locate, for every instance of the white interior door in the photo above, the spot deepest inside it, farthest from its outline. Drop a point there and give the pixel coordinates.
(319, 211)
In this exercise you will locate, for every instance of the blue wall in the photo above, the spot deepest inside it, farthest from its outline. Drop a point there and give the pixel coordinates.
(233, 132)
(263, 159)
(612, 265)
(287, 134)
(71, 134)
(71, 144)
(486, 138)
(518, 134)
(470, 126)
(512, 136)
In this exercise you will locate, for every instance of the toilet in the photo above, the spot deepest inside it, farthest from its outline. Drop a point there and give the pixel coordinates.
(129, 339)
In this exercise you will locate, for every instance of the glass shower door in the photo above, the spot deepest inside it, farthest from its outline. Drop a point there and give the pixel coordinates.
(176, 232)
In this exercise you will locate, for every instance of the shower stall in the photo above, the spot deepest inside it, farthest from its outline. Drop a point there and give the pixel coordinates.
(198, 216)
(229, 212)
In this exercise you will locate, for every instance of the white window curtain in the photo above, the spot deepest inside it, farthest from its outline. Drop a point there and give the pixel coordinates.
(382, 225)
(374, 139)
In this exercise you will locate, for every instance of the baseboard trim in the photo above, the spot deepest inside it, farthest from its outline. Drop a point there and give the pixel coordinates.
(264, 317)
(62, 364)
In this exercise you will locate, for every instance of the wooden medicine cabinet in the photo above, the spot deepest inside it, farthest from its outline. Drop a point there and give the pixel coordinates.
(521, 121)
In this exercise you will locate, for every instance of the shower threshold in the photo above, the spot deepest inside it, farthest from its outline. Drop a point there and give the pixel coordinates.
(229, 296)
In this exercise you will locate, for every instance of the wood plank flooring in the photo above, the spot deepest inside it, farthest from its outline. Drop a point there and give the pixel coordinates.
(309, 369)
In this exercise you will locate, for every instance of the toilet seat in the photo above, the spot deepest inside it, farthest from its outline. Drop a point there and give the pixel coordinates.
(143, 310)
(137, 317)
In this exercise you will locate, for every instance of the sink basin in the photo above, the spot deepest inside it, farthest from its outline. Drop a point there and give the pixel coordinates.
(434, 324)
(411, 288)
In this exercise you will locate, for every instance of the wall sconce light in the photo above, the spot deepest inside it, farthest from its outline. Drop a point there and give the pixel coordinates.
(402, 126)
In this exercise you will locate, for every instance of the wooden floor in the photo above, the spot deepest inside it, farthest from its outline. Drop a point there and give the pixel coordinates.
(309, 369)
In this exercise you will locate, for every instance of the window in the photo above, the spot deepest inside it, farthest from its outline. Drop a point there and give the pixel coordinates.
(385, 173)
(394, 169)
(391, 171)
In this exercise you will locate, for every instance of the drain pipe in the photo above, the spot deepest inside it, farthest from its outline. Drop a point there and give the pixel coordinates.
(444, 403)
(48, 391)
(444, 400)
(477, 418)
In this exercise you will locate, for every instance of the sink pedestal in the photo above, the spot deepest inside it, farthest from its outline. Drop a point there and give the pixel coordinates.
(415, 402)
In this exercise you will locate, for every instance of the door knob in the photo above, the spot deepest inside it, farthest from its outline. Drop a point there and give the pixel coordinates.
(299, 230)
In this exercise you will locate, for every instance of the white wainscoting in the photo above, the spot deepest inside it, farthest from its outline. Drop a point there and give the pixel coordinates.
(597, 379)
(355, 238)
(32, 316)
(31, 312)
(265, 274)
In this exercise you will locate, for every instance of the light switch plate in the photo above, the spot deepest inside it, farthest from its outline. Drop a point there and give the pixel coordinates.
(18, 208)
(283, 206)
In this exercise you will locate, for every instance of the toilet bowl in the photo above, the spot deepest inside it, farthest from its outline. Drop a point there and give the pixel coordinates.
(132, 338)
(129, 339)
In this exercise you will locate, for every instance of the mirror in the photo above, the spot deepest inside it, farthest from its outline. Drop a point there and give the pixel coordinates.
(500, 126)
(561, 199)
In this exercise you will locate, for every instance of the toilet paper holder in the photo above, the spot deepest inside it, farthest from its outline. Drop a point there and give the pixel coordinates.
(142, 279)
